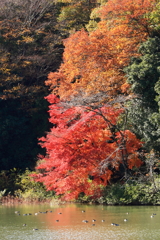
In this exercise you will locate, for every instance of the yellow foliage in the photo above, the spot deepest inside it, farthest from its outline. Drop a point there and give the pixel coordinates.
(28, 39)
(26, 63)
(5, 70)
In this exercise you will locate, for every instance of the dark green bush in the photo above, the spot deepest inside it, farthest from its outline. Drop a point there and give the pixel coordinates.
(134, 193)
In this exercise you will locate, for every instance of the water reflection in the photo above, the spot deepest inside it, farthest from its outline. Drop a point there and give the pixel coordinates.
(79, 222)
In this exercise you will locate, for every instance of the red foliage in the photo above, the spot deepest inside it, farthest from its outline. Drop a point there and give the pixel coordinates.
(78, 143)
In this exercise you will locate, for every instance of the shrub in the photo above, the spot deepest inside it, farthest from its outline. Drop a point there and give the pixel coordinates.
(30, 190)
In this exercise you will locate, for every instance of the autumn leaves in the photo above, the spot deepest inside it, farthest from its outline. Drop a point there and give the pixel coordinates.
(88, 143)
(84, 149)
(94, 61)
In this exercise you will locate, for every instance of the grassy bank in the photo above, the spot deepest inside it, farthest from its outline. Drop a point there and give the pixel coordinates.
(19, 188)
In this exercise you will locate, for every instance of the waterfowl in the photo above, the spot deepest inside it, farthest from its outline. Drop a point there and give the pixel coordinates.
(152, 216)
(93, 220)
(83, 211)
(93, 224)
(125, 220)
(85, 221)
(57, 220)
(24, 225)
(59, 213)
(114, 224)
(35, 229)
(103, 220)
(17, 212)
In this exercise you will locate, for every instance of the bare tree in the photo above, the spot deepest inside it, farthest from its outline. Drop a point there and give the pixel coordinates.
(31, 11)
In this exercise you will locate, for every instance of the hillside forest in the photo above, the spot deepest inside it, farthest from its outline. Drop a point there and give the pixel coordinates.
(80, 100)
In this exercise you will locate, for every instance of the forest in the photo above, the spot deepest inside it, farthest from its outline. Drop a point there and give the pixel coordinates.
(80, 100)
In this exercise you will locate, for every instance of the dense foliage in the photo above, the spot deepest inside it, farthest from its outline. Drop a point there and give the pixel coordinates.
(144, 75)
(30, 47)
(103, 95)
(83, 151)
(94, 62)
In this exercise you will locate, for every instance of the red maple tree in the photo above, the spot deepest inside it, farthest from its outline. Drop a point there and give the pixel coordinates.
(84, 147)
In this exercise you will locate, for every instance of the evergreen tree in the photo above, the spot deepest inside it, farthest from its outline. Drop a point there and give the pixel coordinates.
(143, 74)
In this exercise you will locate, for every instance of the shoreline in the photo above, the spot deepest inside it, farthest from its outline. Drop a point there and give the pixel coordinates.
(13, 201)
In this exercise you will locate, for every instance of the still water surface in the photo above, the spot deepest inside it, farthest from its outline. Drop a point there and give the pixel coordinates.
(66, 222)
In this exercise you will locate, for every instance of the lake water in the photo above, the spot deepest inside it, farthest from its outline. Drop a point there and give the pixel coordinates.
(66, 222)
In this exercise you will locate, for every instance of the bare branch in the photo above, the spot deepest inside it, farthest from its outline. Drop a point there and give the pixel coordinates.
(30, 11)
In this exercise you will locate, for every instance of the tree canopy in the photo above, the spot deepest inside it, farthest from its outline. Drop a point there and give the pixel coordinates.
(90, 144)
(143, 74)
(98, 64)
(94, 61)
(84, 149)
(30, 47)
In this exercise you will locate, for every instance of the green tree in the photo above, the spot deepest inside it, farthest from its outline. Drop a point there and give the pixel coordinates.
(76, 14)
(143, 74)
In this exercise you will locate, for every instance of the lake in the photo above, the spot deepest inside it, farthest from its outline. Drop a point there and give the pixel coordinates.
(79, 222)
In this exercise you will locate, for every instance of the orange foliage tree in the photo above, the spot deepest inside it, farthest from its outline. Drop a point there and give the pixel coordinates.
(94, 62)
(84, 149)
